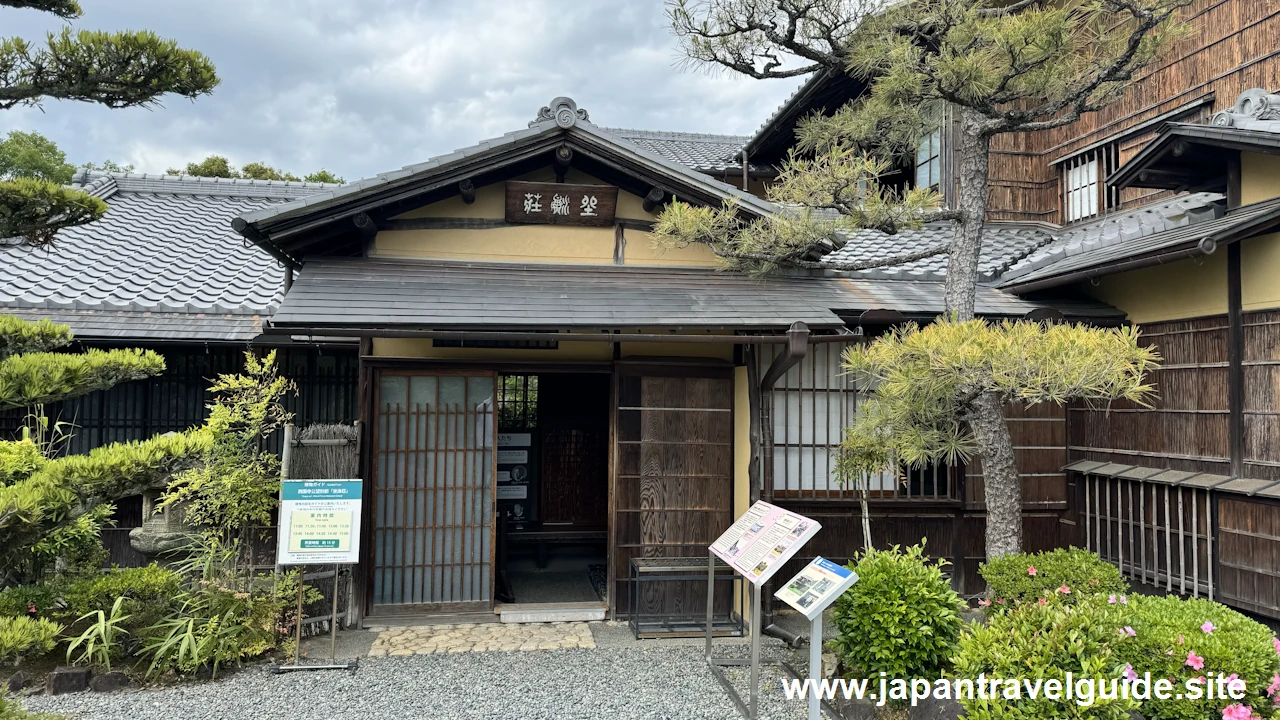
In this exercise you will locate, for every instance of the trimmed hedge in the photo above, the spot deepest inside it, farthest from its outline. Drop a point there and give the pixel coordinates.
(1071, 575)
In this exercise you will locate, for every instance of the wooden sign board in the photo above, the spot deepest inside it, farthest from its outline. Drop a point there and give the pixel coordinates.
(560, 203)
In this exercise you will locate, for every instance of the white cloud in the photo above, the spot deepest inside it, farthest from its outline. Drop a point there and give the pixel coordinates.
(364, 87)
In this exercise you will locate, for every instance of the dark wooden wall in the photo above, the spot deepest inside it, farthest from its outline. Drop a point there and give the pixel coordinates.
(673, 492)
(1230, 47)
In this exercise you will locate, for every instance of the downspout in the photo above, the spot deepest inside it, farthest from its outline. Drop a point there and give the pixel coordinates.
(745, 178)
(787, 358)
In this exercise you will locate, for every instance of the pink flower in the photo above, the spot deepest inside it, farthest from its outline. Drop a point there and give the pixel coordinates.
(1129, 673)
(1208, 627)
(1275, 643)
(1044, 601)
(1111, 600)
(1274, 688)
(1064, 590)
(1180, 639)
(1000, 601)
(1196, 662)
(1031, 570)
(31, 607)
(1237, 712)
(1128, 631)
(1124, 600)
(984, 603)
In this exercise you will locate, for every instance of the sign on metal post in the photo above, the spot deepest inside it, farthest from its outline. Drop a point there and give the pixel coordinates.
(756, 546)
(319, 525)
(319, 522)
(812, 591)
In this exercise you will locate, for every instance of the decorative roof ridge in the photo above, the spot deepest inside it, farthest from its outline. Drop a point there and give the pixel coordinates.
(677, 134)
(1254, 109)
(160, 183)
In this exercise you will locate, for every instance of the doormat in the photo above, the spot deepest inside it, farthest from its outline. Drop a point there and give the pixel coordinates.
(599, 578)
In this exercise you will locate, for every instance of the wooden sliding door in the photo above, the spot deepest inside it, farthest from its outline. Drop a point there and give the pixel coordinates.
(433, 536)
(673, 491)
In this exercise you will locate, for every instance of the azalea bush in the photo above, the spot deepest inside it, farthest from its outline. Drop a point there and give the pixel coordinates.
(1070, 575)
(901, 617)
(1182, 639)
(1041, 643)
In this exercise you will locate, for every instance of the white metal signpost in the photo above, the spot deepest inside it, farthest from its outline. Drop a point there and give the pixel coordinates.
(319, 525)
(812, 591)
(756, 546)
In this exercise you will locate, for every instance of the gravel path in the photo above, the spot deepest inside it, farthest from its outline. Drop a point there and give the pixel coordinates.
(606, 682)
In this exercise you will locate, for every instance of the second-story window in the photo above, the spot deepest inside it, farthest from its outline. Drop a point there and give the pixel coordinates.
(929, 161)
(1084, 190)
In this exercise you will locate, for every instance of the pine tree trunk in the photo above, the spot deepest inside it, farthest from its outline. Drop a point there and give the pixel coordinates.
(1003, 487)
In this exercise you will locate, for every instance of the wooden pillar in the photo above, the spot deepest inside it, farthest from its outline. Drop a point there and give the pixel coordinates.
(1235, 332)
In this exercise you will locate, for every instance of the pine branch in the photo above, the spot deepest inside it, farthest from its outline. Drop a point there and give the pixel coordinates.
(126, 69)
(35, 378)
(33, 211)
(65, 9)
(19, 336)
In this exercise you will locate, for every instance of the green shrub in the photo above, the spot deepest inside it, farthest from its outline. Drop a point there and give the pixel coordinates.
(22, 636)
(1073, 574)
(152, 593)
(100, 642)
(1044, 642)
(19, 600)
(13, 711)
(901, 617)
(1236, 644)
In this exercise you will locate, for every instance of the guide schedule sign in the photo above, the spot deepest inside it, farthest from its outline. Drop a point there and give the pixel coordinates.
(816, 586)
(763, 540)
(319, 522)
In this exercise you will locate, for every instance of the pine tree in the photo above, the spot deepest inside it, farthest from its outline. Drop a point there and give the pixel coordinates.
(119, 70)
(1009, 66)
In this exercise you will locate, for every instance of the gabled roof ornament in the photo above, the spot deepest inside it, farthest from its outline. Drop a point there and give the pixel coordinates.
(1255, 109)
(564, 111)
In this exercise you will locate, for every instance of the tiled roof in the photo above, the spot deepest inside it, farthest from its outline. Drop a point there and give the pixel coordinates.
(336, 294)
(1003, 244)
(1115, 233)
(704, 153)
(162, 263)
(1010, 250)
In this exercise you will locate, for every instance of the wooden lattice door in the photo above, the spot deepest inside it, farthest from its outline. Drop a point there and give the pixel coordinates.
(674, 485)
(433, 537)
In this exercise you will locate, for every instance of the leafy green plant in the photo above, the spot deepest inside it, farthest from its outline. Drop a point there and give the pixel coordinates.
(22, 636)
(237, 484)
(1043, 642)
(1072, 575)
(901, 617)
(38, 600)
(150, 594)
(12, 711)
(1183, 639)
(101, 639)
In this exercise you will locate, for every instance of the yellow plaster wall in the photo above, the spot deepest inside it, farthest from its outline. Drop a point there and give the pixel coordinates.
(677, 349)
(1259, 177)
(531, 243)
(423, 348)
(1184, 289)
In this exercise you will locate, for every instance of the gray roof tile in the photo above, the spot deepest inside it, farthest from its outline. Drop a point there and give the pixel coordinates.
(162, 262)
(701, 152)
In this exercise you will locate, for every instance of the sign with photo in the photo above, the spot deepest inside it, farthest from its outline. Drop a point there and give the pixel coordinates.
(319, 522)
(815, 587)
(552, 203)
(517, 481)
(763, 540)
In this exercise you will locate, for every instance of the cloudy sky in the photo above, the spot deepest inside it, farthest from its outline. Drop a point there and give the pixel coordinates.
(364, 87)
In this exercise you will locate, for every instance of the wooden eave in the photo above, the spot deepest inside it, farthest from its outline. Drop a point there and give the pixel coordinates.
(1191, 157)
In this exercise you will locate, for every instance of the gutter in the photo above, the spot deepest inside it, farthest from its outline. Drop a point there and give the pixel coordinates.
(517, 336)
(1205, 246)
(250, 233)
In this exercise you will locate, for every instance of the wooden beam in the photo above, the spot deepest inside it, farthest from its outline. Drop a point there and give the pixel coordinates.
(1233, 182)
(564, 155)
(1235, 361)
(653, 198)
(467, 190)
(368, 231)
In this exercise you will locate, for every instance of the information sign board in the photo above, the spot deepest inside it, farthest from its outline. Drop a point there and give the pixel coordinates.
(816, 586)
(763, 540)
(319, 522)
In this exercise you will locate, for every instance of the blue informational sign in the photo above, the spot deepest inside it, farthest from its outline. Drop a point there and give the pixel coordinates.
(319, 522)
(814, 588)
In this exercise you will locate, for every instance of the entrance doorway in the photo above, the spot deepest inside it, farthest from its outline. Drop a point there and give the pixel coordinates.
(553, 487)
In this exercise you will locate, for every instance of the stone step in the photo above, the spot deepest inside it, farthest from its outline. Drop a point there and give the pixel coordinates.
(551, 612)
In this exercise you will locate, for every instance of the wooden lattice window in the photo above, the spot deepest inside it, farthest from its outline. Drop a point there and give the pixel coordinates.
(1085, 193)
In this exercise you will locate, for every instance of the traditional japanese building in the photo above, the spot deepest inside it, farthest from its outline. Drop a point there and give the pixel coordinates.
(546, 395)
